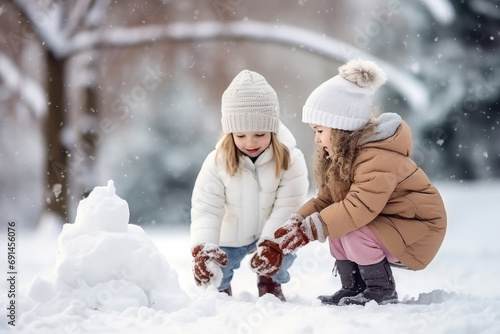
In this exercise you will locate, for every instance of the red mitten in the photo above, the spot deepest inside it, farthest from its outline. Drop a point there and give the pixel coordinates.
(267, 259)
(294, 218)
(296, 234)
(203, 255)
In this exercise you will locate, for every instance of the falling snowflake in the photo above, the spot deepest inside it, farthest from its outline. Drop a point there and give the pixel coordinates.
(56, 189)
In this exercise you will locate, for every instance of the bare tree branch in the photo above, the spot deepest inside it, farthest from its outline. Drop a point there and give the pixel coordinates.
(46, 18)
(406, 84)
(76, 16)
(97, 13)
(32, 93)
(61, 46)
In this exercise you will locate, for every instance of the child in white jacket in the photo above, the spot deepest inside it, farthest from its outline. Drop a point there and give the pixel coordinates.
(246, 189)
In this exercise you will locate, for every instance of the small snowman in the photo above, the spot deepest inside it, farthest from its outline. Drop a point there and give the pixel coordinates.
(109, 264)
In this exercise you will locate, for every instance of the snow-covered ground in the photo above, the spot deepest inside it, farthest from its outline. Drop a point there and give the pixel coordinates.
(457, 293)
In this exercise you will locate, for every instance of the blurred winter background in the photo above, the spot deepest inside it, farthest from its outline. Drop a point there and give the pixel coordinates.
(92, 90)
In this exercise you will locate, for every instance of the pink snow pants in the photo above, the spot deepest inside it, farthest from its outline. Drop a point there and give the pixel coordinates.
(360, 246)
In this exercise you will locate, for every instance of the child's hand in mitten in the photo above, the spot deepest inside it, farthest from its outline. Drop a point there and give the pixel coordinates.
(295, 234)
(205, 257)
(294, 218)
(267, 259)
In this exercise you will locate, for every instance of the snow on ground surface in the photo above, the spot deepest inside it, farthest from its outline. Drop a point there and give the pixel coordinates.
(457, 293)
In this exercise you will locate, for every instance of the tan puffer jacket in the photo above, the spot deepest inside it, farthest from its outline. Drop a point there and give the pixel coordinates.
(390, 195)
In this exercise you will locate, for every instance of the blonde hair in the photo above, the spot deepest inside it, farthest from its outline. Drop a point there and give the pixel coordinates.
(281, 154)
(346, 146)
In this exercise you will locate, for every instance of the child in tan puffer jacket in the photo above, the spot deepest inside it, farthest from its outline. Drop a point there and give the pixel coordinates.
(375, 205)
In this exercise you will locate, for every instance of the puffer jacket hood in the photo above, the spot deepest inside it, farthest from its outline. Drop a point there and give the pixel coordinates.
(390, 136)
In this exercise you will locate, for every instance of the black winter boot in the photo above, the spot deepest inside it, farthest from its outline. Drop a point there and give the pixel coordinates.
(352, 283)
(380, 285)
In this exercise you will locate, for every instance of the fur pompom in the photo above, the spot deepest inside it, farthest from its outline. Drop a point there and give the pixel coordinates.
(363, 73)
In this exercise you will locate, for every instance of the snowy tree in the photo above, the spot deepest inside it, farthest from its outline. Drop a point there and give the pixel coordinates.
(451, 46)
(54, 23)
(76, 37)
(468, 136)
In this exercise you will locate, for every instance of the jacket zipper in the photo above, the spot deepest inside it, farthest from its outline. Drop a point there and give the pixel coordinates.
(252, 213)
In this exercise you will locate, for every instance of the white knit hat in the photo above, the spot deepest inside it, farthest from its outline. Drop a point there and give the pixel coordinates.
(344, 101)
(250, 104)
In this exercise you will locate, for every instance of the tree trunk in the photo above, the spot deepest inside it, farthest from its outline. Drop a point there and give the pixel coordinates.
(84, 122)
(56, 177)
(88, 142)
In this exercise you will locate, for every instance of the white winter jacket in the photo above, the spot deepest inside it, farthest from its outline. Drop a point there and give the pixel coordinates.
(235, 211)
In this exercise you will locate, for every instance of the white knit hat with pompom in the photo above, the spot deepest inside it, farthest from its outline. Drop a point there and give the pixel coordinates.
(344, 101)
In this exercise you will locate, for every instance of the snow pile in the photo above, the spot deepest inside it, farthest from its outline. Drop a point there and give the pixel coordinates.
(105, 264)
(456, 293)
(102, 210)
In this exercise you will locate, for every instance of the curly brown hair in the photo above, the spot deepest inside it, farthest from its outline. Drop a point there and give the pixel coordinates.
(346, 146)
